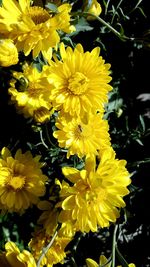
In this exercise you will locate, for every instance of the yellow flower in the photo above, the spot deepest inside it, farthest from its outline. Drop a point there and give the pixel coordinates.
(49, 217)
(95, 9)
(12, 257)
(80, 81)
(8, 53)
(102, 262)
(82, 137)
(21, 180)
(30, 92)
(91, 263)
(96, 193)
(33, 28)
(55, 254)
(49, 220)
(42, 114)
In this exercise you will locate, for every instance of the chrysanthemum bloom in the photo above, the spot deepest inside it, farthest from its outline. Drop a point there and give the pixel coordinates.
(33, 28)
(82, 137)
(49, 221)
(94, 8)
(55, 254)
(21, 180)
(96, 194)
(80, 80)
(110, 152)
(103, 261)
(49, 217)
(8, 53)
(30, 93)
(12, 257)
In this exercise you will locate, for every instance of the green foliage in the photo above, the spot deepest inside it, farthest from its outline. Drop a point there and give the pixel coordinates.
(52, 7)
(81, 25)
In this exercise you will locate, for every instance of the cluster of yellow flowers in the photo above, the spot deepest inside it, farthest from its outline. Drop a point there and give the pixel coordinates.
(73, 85)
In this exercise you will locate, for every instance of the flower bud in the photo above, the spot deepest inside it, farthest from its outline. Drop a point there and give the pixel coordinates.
(95, 9)
(8, 53)
(42, 115)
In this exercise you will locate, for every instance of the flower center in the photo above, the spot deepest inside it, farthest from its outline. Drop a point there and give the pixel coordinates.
(34, 91)
(83, 131)
(78, 83)
(102, 194)
(78, 131)
(17, 182)
(96, 196)
(38, 14)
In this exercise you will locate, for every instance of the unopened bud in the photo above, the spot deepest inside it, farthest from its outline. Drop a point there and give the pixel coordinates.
(95, 9)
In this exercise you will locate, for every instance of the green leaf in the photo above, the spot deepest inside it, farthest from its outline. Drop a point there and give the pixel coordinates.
(121, 258)
(142, 12)
(122, 13)
(82, 26)
(67, 40)
(142, 123)
(52, 7)
(139, 142)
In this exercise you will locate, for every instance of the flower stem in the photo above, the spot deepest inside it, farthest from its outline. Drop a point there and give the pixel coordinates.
(42, 140)
(118, 34)
(48, 137)
(45, 250)
(114, 246)
(121, 258)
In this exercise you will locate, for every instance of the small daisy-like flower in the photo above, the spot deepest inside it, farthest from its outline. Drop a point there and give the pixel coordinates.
(30, 93)
(82, 137)
(33, 28)
(8, 53)
(12, 257)
(80, 81)
(55, 254)
(21, 180)
(96, 194)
